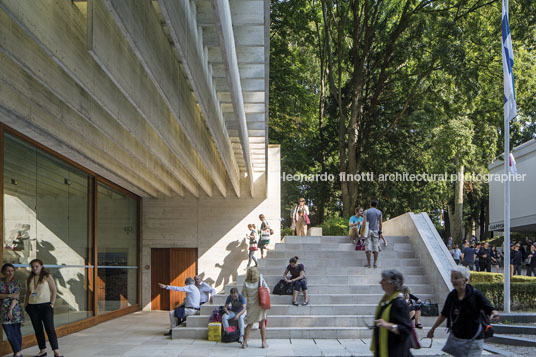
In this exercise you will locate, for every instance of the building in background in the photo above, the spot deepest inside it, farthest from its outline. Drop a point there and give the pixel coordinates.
(522, 193)
(134, 147)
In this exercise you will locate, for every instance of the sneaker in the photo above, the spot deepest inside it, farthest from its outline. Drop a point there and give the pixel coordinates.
(305, 303)
(241, 339)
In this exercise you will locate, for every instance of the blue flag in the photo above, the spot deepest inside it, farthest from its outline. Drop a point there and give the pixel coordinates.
(510, 110)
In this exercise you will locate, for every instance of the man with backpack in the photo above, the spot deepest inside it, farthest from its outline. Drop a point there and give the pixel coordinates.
(237, 311)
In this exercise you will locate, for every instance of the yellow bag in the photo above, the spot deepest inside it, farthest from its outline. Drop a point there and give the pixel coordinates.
(214, 331)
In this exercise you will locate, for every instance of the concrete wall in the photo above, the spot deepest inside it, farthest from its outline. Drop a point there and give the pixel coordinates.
(216, 226)
(522, 193)
(429, 248)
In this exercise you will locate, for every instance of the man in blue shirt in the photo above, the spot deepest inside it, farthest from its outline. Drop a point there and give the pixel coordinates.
(354, 224)
(190, 306)
(468, 257)
(237, 311)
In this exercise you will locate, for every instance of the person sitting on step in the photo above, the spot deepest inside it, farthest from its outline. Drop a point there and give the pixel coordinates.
(414, 304)
(237, 312)
(297, 276)
(191, 305)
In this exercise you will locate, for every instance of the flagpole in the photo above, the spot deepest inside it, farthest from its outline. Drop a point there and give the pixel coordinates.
(510, 112)
(507, 215)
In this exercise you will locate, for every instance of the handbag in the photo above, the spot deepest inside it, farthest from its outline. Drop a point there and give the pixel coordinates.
(283, 288)
(486, 325)
(307, 220)
(429, 309)
(459, 347)
(413, 338)
(264, 295)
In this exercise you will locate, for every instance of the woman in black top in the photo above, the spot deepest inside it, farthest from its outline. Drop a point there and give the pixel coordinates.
(297, 276)
(414, 304)
(462, 311)
(392, 325)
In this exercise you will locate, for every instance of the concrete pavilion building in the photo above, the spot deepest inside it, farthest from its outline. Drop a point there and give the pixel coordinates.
(134, 147)
(522, 192)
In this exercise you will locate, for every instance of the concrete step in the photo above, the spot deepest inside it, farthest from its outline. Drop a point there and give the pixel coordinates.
(401, 247)
(301, 332)
(327, 254)
(416, 289)
(338, 270)
(360, 260)
(323, 298)
(314, 308)
(338, 239)
(272, 280)
(347, 320)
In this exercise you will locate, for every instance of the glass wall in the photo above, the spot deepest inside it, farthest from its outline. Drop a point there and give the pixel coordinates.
(117, 232)
(48, 214)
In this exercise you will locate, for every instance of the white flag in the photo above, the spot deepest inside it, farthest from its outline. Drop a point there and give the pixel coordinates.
(510, 110)
(512, 164)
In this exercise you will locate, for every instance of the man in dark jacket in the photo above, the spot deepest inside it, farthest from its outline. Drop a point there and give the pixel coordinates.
(531, 268)
(484, 257)
(516, 259)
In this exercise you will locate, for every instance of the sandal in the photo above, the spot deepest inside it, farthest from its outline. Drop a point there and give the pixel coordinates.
(295, 303)
(264, 345)
(305, 303)
(367, 265)
(375, 266)
(418, 326)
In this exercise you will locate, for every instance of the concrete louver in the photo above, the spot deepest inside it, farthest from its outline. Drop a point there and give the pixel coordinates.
(250, 35)
(222, 16)
(115, 75)
(181, 22)
(152, 77)
(146, 147)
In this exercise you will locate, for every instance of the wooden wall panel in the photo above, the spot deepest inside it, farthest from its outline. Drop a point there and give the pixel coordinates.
(183, 264)
(159, 274)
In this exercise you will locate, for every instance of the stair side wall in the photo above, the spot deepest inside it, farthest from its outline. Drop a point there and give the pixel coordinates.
(428, 246)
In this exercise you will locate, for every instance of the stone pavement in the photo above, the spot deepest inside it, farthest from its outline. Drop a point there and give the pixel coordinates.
(141, 335)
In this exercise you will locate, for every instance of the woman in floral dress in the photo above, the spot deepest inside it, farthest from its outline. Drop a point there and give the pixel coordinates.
(10, 309)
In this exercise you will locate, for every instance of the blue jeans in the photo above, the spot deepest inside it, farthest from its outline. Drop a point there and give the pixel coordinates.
(231, 315)
(14, 336)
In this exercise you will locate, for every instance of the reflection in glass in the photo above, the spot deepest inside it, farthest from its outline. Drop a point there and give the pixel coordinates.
(117, 250)
(46, 216)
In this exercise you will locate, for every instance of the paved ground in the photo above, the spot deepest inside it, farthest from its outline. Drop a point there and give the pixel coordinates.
(141, 334)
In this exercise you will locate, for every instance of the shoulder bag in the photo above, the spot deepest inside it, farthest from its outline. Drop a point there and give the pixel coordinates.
(264, 295)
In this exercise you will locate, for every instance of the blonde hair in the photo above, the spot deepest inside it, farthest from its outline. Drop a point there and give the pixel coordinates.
(252, 275)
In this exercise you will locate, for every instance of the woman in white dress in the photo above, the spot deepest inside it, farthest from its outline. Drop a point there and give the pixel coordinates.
(255, 313)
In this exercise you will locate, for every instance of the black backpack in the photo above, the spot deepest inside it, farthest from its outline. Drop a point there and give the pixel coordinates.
(231, 336)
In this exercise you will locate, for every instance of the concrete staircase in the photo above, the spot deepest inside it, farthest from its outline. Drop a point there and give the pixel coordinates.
(343, 294)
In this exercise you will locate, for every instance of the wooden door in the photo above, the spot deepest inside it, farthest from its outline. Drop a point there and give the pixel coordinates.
(170, 266)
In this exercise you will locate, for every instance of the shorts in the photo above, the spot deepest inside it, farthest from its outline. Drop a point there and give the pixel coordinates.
(372, 242)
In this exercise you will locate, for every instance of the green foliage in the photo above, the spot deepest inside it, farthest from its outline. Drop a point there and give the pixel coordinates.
(447, 54)
(286, 231)
(523, 295)
(485, 277)
(335, 226)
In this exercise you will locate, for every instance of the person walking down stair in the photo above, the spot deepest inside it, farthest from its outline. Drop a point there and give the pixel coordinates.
(264, 234)
(373, 217)
(300, 217)
(191, 305)
(252, 244)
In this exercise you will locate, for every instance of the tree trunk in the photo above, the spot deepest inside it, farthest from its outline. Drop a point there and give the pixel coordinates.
(457, 223)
